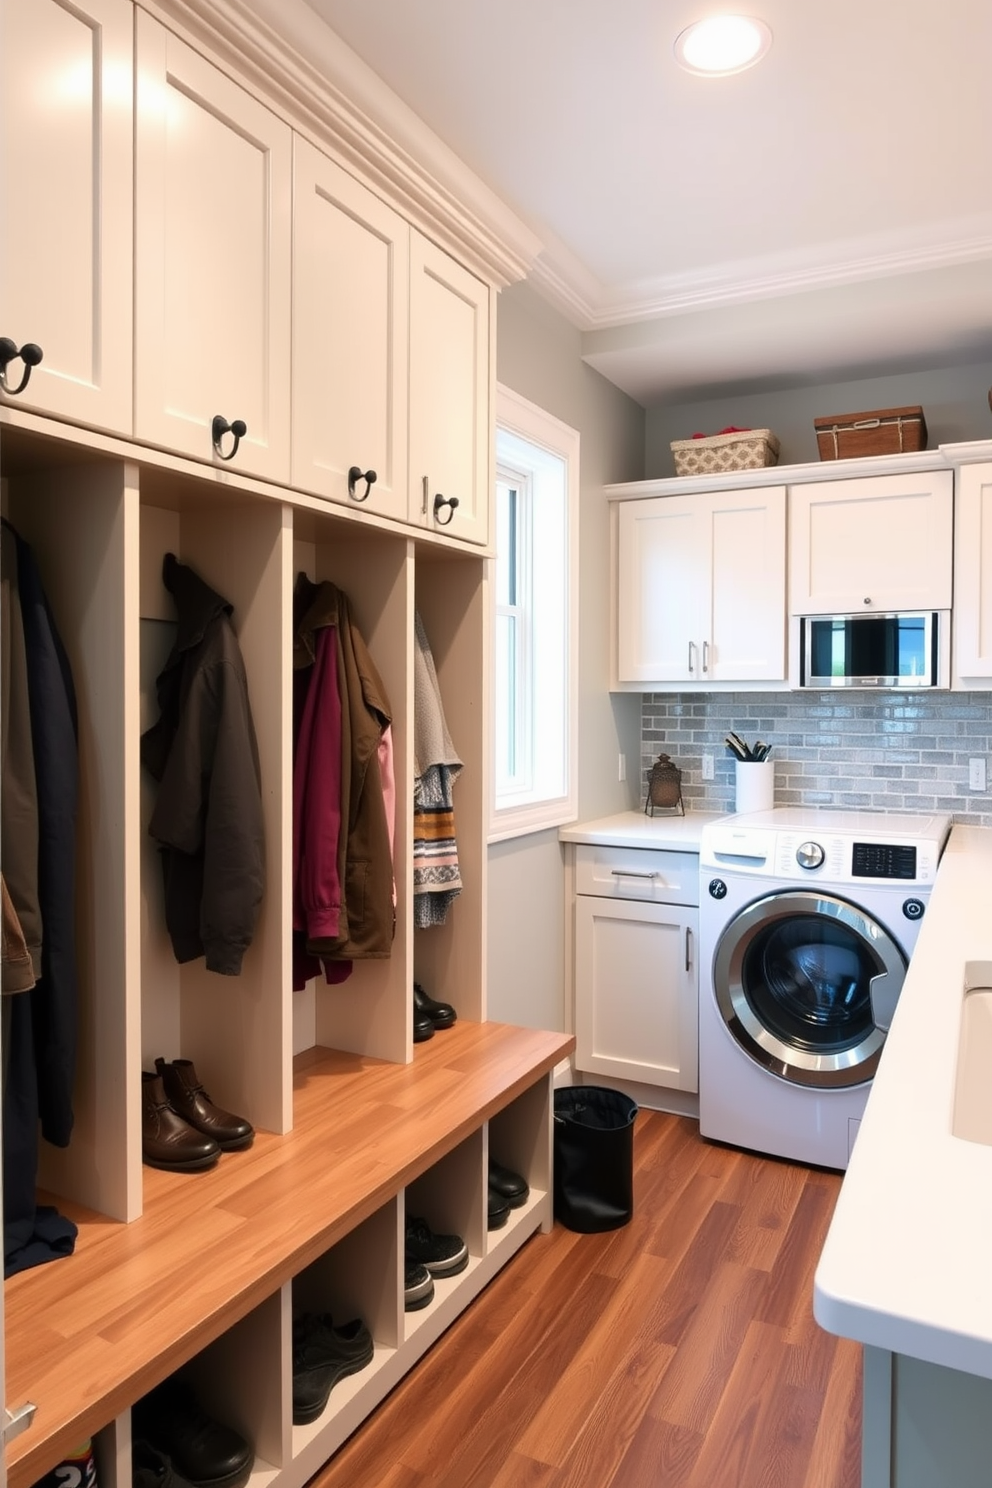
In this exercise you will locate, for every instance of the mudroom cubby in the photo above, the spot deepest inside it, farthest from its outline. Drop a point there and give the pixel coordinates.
(355, 1125)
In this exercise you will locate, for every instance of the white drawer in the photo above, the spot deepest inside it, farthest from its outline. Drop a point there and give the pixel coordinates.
(632, 873)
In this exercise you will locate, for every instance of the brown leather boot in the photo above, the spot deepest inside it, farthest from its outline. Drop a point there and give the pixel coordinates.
(188, 1097)
(167, 1141)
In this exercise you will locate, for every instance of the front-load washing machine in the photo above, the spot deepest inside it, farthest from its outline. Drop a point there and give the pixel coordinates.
(807, 921)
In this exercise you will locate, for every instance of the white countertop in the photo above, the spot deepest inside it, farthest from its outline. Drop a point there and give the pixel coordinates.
(907, 1265)
(637, 829)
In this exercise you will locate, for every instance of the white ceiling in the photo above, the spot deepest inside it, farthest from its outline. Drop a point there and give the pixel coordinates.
(826, 214)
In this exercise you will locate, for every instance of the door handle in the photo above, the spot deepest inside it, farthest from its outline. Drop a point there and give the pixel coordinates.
(706, 656)
(688, 949)
(692, 654)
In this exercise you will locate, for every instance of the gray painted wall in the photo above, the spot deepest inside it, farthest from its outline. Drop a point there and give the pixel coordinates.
(954, 402)
(539, 357)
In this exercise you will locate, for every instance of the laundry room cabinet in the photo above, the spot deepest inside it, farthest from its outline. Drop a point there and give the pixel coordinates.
(972, 636)
(700, 589)
(636, 965)
(66, 128)
(871, 544)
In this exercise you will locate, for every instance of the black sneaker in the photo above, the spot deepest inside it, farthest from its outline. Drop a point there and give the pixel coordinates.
(443, 1255)
(201, 1450)
(152, 1469)
(324, 1354)
(418, 1287)
(499, 1210)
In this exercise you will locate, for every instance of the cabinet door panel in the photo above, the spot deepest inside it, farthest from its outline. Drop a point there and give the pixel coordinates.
(212, 259)
(636, 1008)
(449, 394)
(65, 260)
(747, 588)
(876, 543)
(661, 592)
(351, 270)
(972, 638)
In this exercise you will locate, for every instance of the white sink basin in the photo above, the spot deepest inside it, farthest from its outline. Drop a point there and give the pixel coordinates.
(973, 1083)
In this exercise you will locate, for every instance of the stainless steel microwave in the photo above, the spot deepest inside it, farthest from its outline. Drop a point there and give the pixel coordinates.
(897, 650)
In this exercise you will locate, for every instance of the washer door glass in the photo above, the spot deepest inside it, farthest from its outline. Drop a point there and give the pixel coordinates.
(793, 975)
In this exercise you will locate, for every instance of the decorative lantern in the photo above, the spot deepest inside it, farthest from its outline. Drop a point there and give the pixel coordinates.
(665, 787)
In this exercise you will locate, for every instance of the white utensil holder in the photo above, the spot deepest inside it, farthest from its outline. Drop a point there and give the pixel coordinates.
(755, 785)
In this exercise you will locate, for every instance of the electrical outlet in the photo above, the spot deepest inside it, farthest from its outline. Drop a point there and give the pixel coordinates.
(707, 767)
(622, 767)
(976, 774)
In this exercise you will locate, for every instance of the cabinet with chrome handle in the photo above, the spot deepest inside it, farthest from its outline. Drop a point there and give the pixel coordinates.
(635, 969)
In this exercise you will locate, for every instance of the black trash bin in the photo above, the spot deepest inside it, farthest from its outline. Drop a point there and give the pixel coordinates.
(593, 1158)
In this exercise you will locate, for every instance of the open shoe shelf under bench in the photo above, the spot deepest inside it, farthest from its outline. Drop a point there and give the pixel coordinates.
(89, 1334)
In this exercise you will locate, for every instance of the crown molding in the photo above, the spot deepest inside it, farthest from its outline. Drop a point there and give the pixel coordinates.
(773, 277)
(304, 71)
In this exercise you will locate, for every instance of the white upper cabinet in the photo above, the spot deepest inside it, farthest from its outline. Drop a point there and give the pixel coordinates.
(701, 589)
(66, 117)
(212, 262)
(351, 275)
(450, 395)
(871, 544)
(972, 639)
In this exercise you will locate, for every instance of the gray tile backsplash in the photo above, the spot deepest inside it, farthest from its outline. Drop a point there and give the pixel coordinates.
(875, 752)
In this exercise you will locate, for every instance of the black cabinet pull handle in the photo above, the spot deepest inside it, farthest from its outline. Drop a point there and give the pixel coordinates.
(450, 502)
(30, 355)
(220, 427)
(356, 474)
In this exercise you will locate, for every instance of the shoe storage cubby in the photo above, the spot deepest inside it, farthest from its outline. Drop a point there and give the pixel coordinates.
(360, 1277)
(355, 1126)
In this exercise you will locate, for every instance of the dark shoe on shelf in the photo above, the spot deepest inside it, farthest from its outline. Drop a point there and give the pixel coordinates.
(167, 1141)
(189, 1100)
(423, 1028)
(443, 1255)
(441, 1014)
(418, 1286)
(152, 1469)
(200, 1449)
(499, 1210)
(510, 1185)
(323, 1354)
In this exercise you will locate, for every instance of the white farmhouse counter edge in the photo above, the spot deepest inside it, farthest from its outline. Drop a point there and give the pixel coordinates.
(637, 829)
(907, 1263)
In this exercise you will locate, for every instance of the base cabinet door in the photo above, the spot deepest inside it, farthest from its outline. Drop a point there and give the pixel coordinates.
(66, 166)
(212, 262)
(636, 991)
(351, 272)
(450, 395)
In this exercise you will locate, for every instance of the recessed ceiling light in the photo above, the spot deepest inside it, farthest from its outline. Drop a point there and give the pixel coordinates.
(722, 44)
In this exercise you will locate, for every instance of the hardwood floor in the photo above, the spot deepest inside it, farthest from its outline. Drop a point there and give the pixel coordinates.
(677, 1352)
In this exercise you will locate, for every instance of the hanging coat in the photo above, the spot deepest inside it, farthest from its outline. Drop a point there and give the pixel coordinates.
(203, 753)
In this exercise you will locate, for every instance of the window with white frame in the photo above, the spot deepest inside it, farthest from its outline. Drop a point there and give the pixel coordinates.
(535, 621)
